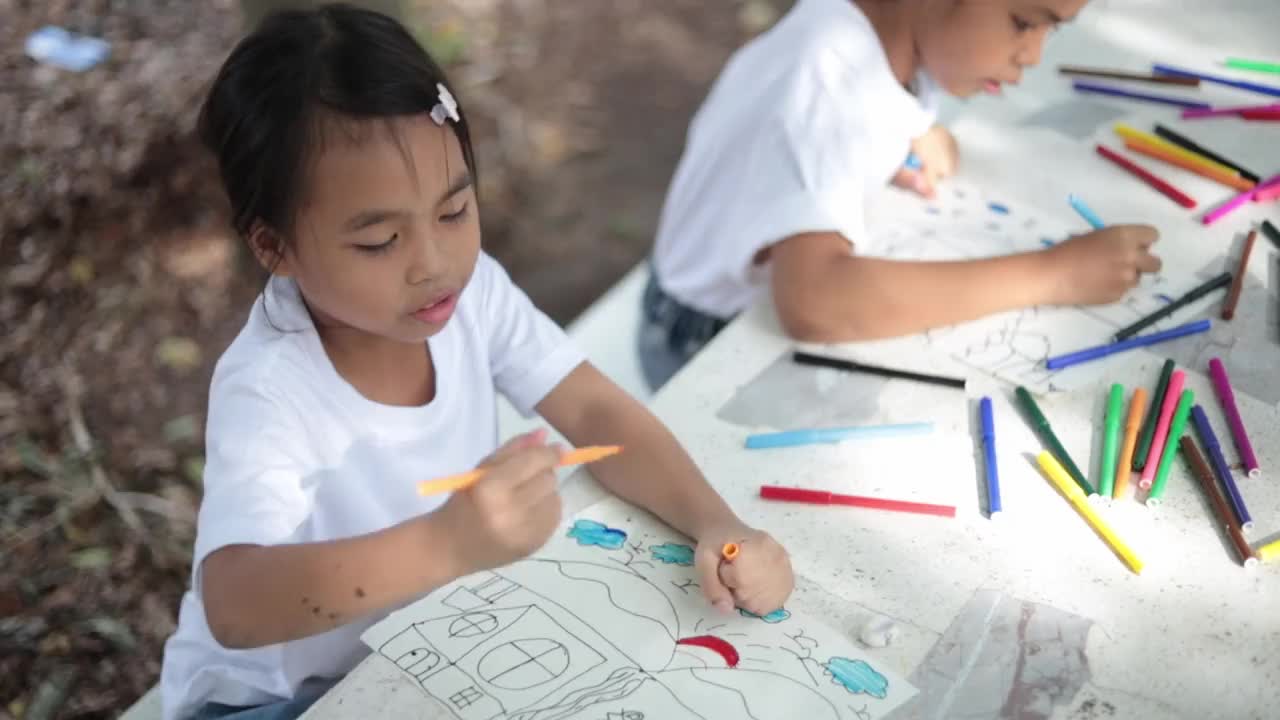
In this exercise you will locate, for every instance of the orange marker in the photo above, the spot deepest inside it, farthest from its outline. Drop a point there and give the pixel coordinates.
(581, 456)
(1124, 468)
(730, 551)
(1200, 167)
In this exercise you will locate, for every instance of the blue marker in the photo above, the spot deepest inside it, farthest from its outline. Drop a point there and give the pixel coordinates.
(793, 438)
(913, 162)
(1229, 82)
(1085, 212)
(1220, 467)
(1075, 358)
(989, 450)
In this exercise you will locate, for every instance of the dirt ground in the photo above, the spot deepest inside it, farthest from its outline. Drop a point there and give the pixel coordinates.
(120, 285)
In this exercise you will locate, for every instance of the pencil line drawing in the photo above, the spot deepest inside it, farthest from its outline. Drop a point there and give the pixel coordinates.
(575, 633)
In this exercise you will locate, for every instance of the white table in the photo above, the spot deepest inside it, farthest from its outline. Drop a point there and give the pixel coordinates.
(1193, 636)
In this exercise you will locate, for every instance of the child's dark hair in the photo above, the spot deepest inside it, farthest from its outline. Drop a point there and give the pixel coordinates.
(299, 74)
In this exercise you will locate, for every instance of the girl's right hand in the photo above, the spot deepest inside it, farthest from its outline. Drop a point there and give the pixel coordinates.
(511, 511)
(1100, 267)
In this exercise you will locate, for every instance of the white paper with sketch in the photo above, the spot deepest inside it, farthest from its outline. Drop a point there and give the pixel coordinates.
(608, 622)
(966, 223)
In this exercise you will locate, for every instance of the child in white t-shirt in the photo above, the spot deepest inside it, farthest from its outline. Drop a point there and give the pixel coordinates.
(802, 124)
(371, 362)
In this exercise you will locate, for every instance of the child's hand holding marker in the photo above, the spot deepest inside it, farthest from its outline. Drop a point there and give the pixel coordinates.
(933, 158)
(511, 511)
(1100, 267)
(742, 567)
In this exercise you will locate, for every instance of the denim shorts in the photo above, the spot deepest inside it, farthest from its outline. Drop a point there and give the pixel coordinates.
(671, 333)
(308, 693)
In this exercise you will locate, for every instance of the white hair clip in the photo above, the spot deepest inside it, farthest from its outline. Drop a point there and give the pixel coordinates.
(447, 108)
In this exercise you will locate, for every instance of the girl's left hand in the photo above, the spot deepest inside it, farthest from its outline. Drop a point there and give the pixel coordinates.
(938, 155)
(758, 580)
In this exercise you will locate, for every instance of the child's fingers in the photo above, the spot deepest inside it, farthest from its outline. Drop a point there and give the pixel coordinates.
(521, 467)
(707, 563)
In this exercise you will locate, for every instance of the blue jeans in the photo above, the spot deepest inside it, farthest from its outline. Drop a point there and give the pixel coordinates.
(308, 693)
(671, 333)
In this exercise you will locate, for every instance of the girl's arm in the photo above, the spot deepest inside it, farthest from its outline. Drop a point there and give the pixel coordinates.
(656, 473)
(823, 293)
(257, 595)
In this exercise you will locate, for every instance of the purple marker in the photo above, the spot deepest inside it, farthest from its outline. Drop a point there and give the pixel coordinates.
(1088, 87)
(1222, 387)
(1220, 468)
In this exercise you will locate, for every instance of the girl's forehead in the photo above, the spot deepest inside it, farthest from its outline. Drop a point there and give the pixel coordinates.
(355, 157)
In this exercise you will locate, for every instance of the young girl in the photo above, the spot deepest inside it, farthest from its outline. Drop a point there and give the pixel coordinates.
(371, 362)
(804, 122)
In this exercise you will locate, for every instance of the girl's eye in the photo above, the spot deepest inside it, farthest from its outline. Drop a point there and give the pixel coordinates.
(1020, 25)
(456, 216)
(380, 247)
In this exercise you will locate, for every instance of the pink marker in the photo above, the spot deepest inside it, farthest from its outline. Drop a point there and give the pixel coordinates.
(1171, 396)
(1267, 193)
(1195, 113)
(1228, 207)
(1222, 386)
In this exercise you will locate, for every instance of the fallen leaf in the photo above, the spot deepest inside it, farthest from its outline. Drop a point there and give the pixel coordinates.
(113, 630)
(81, 270)
(181, 429)
(178, 353)
(94, 558)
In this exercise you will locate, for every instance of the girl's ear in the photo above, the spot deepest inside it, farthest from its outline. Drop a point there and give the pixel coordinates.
(268, 247)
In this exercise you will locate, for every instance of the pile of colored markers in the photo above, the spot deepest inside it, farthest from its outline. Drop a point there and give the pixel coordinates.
(1152, 435)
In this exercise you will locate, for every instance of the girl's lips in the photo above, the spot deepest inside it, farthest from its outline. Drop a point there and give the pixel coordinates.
(438, 312)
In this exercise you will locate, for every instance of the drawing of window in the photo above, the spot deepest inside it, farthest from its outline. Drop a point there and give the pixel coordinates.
(494, 588)
(473, 625)
(465, 697)
(522, 664)
(418, 662)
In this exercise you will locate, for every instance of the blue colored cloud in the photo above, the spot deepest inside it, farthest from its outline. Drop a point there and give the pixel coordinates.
(590, 532)
(772, 618)
(673, 554)
(857, 677)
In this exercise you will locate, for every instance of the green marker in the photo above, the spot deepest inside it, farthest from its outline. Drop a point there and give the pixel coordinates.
(1041, 426)
(1153, 416)
(1111, 440)
(1176, 427)
(1255, 65)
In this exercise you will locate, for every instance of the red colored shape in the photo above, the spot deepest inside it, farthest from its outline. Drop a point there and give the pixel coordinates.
(720, 646)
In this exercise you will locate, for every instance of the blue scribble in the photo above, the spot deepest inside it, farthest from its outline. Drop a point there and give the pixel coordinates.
(932, 210)
(1047, 242)
(590, 532)
(673, 554)
(857, 677)
(998, 208)
(772, 618)
(1164, 298)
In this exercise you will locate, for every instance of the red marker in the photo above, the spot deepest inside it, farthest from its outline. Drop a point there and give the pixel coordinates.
(822, 497)
(1141, 173)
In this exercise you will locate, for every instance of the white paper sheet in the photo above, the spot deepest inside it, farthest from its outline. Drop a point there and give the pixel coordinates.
(607, 623)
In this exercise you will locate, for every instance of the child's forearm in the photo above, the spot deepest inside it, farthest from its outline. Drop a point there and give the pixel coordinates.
(838, 297)
(258, 595)
(654, 472)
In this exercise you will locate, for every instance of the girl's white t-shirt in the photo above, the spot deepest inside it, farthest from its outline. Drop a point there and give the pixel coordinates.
(804, 122)
(295, 454)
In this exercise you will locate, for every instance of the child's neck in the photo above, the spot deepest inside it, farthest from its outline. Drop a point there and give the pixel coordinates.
(895, 23)
(383, 371)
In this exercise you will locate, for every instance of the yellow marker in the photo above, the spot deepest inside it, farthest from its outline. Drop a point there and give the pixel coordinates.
(1131, 133)
(1076, 496)
(580, 456)
(1270, 551)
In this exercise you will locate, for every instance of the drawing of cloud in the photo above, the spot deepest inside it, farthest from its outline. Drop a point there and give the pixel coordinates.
(857, 677)
(772, 618)
(673, 554)
(590, 532)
